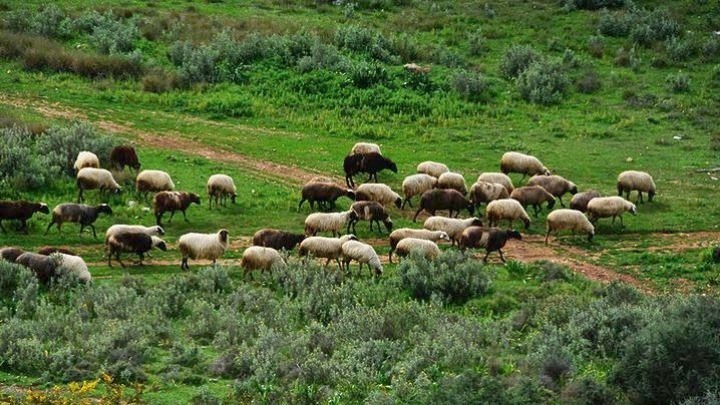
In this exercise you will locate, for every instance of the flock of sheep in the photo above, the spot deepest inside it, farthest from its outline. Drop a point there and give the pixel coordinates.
(438, 189)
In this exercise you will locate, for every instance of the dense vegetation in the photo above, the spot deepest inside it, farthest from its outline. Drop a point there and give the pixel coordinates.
(593, 87)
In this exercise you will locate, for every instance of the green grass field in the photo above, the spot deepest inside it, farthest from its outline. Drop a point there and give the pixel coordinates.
(273, 92)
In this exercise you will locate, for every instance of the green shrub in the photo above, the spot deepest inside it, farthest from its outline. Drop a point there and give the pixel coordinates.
(453, 277)
(472, 86)
(61, 145)
(111, 36)
(160, 81)
(589, 82)
(516, 60)
(614, 24)
(587, 390)
(594, 4)
(679, 49)
(477, 43)
(543, 83)
(679, 83)
(367, 74)
(711, 49)
(596, 46)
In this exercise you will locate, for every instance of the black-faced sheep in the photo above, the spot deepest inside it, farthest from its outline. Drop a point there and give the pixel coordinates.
(535, 196)
(434, 169)
(324, 248)
(219, 187)
(494, 241)
(44, 267)
(515, 162)
(370, 211)
(20, 211)
(370, 163)
(403, 233)
(83, 214)
(171, 201)
(334, 222)
(554, 185)
(276, 239)
(260, 258)
(633, 180)
(570, 220)
(507, 209)
(91, 178)
(132, 242)
(451, 200)
(363, 254)
(455, 181)
(324, 193)
(86, 159)
(153, 181)
(122, 156)
(484, 192)
(580, 201)
(10, 254)
(378, 192)
(606, 207)
(474, 237)
(416, 184)
(209, 246)
(352, 165)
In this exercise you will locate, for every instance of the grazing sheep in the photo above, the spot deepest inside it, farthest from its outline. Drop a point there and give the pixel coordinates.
(44, 267)
(364, 254)
(277, 240)
(506, 209)
(450, 180)
(434, 169)
(428, 249)
(633, 180)
(499, 178)
(85, 215)
(495, 240)
(132, 242)
(219, 187)
(10, 254)
(91, 178)
(323, 193)
(260, 258)
(569, 219)
(75, 265)
(324, 248)
(122, 156)
(48, 250)
(606, 207)
(154, 230)
(370, 211)
(554, 185)
(451, 200)
(370, 163)
(210, 246)
(403, 233)
(484, 192)
(452, 226)
(333, 222)
(86, 159)
(416, 184)
(515, 162)
(378, 192)
(153, 181)
(20, 211)
(535, 196)
(363, 148)
(580, 201)
(171, 201)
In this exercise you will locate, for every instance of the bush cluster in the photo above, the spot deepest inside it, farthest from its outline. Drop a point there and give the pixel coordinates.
(678, 83)
(543, 83)
(472, 86)
(516, 60)
(642, 26)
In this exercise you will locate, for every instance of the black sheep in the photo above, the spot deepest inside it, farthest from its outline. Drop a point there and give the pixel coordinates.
(444, 199)
(132, 242)
(370, 163)
(497, 240)
(122, 156)
(323, 193)
(20, 211)
(44, 267)
(83, 214)
(277, 240)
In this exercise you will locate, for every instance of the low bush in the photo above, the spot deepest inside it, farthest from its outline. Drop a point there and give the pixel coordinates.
(596, 46)
(543, 83)
(477, 43)
(111, 35)
(678, 83)
(678, 49)
(589, 82)
(367, 74)
(642, 26)
(516, 60)
(472, 86)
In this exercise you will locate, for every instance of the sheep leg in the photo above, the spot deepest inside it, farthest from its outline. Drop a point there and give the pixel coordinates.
(613, 221)
(141, 258)
(5, 231)
(117, 257)
(158, 219)
(93, 229)
(185, 216)
(501, 255)
(24, 224)
(184, 265)
(640, 199)
(547, 235)
(326, 263)
(417, 213)
(371, 227)
(109, 257)
(562, 204)
(390, 255)
(486, 256)
(337, 260)
(348, 181)
(82, 227)
(172, 214)
(621, 222)
(80, 196)
(302, 200)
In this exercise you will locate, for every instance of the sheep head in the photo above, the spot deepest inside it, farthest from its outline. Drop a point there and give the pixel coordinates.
(44, 208)
(651, 194)
(388, 224)
(513, 234)
(223, 235)
(398, 202)
(104, 208)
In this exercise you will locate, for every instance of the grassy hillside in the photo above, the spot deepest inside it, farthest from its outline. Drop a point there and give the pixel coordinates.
(273, 92)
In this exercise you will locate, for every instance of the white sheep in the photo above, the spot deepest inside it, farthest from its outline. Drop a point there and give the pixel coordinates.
(208, 246)
(484, 192)
(333, 222)
(363, 148)
(325, 248)
(434, 169)
(508, 209)
(364, 254)
(260, 258)
(378, 192)
(428, 249)
(86, 159)
(153, 181)
(452, 180)
(452, 226)
(90, 178)
(219, 187)
(570, 220)
(426, 234)
(606, 207)
(416, 184)
(555, 185)
(75, 265)
(500, 178)
(515, 162)
(633, 180)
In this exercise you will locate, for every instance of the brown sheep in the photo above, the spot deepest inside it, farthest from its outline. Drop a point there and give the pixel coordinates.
(132, 242)
(554, 185)
(277, 240)
(580, 201)
(83, 214)
(171, 201)
(122, 156)
(495, 239)
(448, 199)
(533, 195)
(324, 193)
(44, 267)
(48, 250)
(20, 211)
(10, 254)
(371, 211)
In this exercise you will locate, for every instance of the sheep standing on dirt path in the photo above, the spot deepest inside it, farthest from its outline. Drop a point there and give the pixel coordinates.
(209, 246)
(569, 219)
